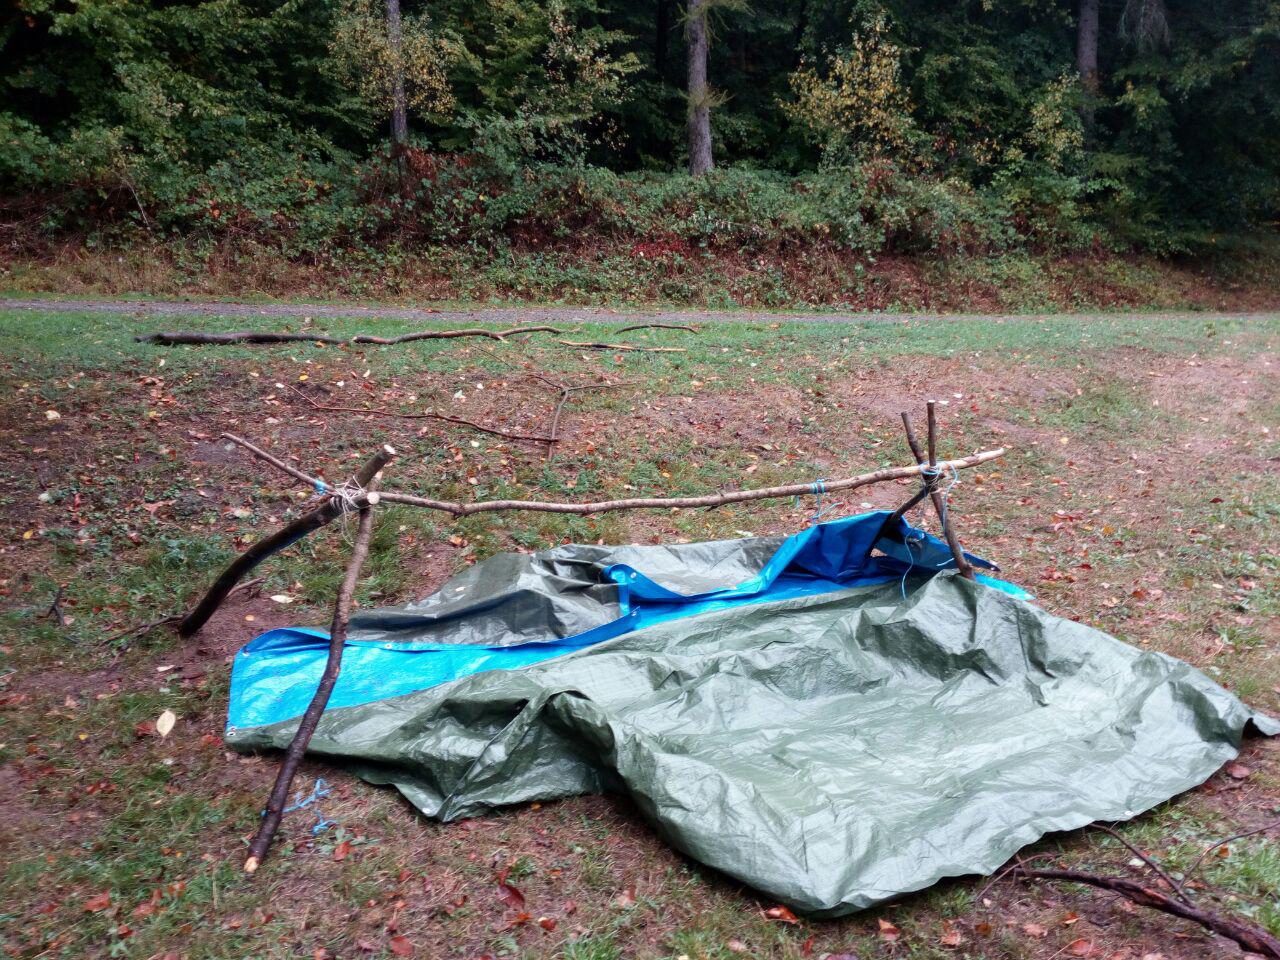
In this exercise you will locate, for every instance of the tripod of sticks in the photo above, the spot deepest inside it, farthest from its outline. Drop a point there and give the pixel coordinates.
(361, 496)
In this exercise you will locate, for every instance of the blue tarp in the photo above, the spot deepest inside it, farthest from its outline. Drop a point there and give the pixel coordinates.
(274, 677)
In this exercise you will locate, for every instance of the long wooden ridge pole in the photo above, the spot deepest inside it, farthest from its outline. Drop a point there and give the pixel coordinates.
(683, 503)
(334, 507)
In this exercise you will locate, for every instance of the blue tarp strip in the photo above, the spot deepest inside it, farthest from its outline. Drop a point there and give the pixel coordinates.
(275, 676)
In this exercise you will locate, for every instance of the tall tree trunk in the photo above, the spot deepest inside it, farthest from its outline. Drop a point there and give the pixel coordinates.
(700, 161)
(661, 35)
(399, 115)
(1087, 57)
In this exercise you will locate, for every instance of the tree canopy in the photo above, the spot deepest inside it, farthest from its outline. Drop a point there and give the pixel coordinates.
(178, 112)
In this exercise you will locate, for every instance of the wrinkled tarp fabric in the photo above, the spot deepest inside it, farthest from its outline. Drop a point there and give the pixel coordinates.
(833, 750)
(514, 610)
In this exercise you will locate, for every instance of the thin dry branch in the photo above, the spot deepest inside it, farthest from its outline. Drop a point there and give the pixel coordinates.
(1158, 870)
(171, 338)
(658, 326)
(443, 417)
(684, 503)
(1249, 936)
(932, 470)
(1273, 825)
(620, 347)
(275, 462)
(940, 500)
(328, 679)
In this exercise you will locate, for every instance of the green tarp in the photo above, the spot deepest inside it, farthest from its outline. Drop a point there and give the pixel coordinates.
(832, 749)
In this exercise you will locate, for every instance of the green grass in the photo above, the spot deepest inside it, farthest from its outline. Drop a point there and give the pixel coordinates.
(785, 402)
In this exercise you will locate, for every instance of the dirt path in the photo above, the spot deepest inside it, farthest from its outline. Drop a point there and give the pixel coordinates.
(507, 315)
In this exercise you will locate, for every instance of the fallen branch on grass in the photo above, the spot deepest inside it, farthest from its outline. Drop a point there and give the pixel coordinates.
(1155, 867)
(1266, 827)
(620, 347)
(658, 326)
(268, 336)
(566, 391)
(1249, 936)
(443, 417)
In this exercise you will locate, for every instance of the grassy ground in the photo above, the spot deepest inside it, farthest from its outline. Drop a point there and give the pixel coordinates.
(1141, 495)
(1244, 276)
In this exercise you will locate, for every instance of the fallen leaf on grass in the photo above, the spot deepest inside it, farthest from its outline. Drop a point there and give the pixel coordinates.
(1034, 930)
(510, 895)
(888, 932)
(736, 946)
(627, 898)
(951, 935)
(341, 850)
(1081, 948)
(547, 923)
(98, 902)
(781, 914)
(401, 946)
(1238, 771)
(165, 722)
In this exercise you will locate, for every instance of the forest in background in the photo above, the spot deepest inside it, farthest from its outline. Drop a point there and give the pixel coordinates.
(330, 128)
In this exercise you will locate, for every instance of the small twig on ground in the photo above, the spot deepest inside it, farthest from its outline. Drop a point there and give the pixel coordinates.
(55, 610)
(1017, 863)
(566, 391)
(1155, 867)
(620, 347)
(446, 418)
(1273, 825)
(1249, 936)
(311, 718)
(268, 337)
(658, 326)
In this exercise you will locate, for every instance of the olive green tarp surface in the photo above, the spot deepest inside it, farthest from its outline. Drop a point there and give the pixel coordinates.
(832, 751)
